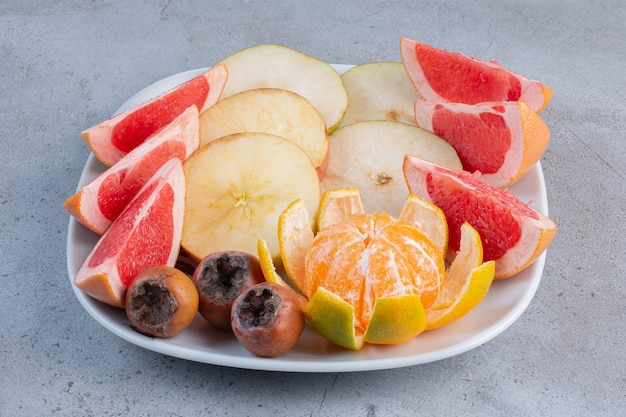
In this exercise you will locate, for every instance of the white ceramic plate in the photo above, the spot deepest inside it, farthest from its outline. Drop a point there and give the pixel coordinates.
(503, 305)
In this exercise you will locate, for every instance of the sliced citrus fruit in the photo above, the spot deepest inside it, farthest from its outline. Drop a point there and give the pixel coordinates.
(278, 66)
(112, 139)
(442, 76)
(368, 269)
(146, 234)
(368, 156)
(467, 282)
(429, 218)
(379, 91)
(270, 110)
(237, 186)
(501, 140)
(512, 233)
(337, 205)
(98, 204)
(295, 235)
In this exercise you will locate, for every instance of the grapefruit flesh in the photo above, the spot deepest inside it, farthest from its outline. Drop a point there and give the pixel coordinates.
(442, 76)
(502, 140)
(115, 137)
(99, 203)
(512, 233)
(146, 234)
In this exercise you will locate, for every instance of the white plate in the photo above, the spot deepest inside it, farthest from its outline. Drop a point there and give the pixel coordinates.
(502, 306)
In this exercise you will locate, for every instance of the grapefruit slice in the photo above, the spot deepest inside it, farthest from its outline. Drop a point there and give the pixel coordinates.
(146, 234)
(368, 155)
(98, 204)
(442, 76)
(112, 139)
(512, 233)
(501, 140)
(277, 66)
(379, 91)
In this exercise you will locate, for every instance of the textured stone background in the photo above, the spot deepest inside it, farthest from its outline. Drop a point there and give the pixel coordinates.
(68, 64)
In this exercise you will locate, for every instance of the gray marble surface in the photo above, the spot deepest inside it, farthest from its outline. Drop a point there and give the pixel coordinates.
(66, 65)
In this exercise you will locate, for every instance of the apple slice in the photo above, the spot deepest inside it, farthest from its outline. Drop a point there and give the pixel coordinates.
(379, 91)
(237, 186)
(269, 110)
(369, 156)
(277, 66)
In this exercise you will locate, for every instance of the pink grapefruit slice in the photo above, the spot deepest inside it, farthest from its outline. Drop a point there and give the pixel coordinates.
(111, 139)
(513, 234)
(502, 140)
(146, 234)
(442, 76)
(98, 204)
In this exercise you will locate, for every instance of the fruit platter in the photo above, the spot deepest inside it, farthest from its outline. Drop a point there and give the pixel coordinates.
(500, 304)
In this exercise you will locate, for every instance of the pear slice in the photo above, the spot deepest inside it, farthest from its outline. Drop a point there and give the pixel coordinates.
(369, 156)
(379, 91)
(269, 110)
(237, 186)
(278, 66)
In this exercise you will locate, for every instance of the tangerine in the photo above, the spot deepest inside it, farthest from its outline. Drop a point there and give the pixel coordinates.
(378, 265)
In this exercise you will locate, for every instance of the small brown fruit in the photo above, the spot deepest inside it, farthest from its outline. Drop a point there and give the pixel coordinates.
(219, 278)
(161, 301)
(267, 319)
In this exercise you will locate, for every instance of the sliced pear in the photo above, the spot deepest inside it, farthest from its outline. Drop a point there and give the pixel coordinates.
(277, 66)
(379, 91)
(369, 156)
(269, 110)
(237, 186)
